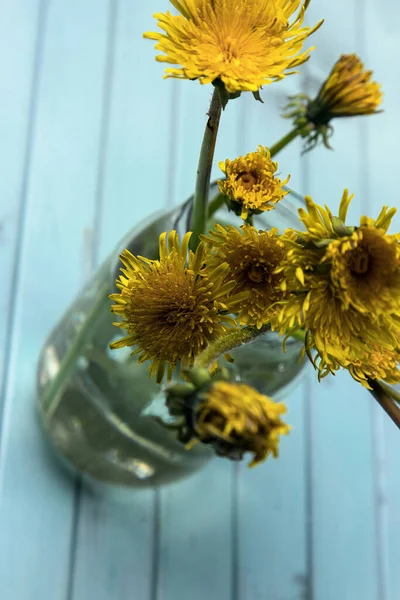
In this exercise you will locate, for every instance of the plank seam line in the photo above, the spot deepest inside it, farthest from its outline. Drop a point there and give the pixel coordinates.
(108, 85)
(235, 575)
(155, 547)
(172, 160)
(107, 88)
(380, 509)
(173, 135)
(309, 445)
(309, 499)
(21, 222)
(75, 521)
(378, 442)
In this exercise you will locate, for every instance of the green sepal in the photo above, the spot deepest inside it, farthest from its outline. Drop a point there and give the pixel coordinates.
(180, 389)
(314, 244)
(224, 95)
(322, 243)
(198, 376)
(258, 97)
(233, 206)
(340, 228)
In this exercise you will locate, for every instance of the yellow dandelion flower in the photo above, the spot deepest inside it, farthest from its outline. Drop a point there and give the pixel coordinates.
(343, 337)
(251, 184)
(339, 337)
(342, 288)
(321, 226)
(252, 257)
(171, 308)
(348, 91)
(245, 46)
(233, 418)
(365, 268)
(377, 362)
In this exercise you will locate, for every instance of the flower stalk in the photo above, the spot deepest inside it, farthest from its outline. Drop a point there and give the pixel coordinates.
(229, 342)
(201, 209)
(391, 392)
(200, 205)
(54, 389)
(215, 204)
(289, 137)
(381, 395)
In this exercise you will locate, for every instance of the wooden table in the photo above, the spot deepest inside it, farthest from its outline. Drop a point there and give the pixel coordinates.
(92, 140)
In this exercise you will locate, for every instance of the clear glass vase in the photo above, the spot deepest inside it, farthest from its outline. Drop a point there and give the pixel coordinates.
(98, 406)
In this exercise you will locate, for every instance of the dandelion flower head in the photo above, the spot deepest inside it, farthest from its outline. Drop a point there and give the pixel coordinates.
(171, 308)
(245, 44)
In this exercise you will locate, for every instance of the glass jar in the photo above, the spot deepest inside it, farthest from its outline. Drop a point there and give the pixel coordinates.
(98, 406)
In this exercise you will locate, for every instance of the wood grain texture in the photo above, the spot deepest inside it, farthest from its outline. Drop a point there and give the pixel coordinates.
(344, 535)
(195, 510)
(21, 33)
(58, 200)
(116, 553)
(380, 44)
(272, 500)
(94, 141)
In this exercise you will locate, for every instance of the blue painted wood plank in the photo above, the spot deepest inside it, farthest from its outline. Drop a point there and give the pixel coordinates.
(206, 547)
(273, 559)
(115, 551)
(197, 536)
(245, 535)
(35, 496)
(195, 544)
(143, 159)
(137, 167)
(19, 30)
(388, 502)
(381, 180)
(272, 498)
(344, 536)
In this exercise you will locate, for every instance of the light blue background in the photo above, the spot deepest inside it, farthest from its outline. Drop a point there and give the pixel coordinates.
(91, 141)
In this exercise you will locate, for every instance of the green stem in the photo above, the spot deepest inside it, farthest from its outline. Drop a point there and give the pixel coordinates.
(391, 392)
(54, 389)
(215, 204)
(284, 141)
(230, 342)
(385, 401)
(299, 335)
(200, 205)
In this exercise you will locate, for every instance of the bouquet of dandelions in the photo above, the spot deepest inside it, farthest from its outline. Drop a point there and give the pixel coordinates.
(333, 285)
